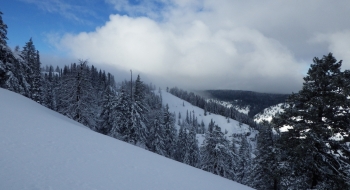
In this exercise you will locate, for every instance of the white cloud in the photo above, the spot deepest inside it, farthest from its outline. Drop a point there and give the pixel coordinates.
(207, 44)
(338, 43)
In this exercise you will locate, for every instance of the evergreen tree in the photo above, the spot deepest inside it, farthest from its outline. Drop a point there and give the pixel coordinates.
(108, 115)
(157, 136)
(202, 128)
(12, 71)
(169, 132)
(139, 111)
(264, 172)
(216, 157)
(123, 116)
(36, 86)
(192, 150)
(181, 145)
(316, 159)
(211, 125)
(77, 101)
(244, 153)
(3, 32)
(30, 63)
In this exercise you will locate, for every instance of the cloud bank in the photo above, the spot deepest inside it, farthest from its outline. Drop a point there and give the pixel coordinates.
(259, 46)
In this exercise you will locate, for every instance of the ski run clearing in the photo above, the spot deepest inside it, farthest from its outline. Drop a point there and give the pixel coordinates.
(43, 150)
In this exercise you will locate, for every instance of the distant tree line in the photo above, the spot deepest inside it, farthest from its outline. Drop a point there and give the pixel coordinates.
(256, 101)
(213, 107)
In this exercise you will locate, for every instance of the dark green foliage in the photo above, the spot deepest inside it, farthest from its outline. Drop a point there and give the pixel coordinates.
(108, 116)
(76, 100)
(3, 32)
(216, 156)
(255, 100)
(169, 132)
(192, 150)
(315, 159)
(264, 173)
(213, 107)
(156, 136)
(139, 112)
(244, 163)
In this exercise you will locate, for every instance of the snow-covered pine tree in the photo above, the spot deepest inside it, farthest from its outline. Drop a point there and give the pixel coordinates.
(264, 171)
(108, 116)
(211, 125)
(123, 116)
(77, 101)
(30, 62)
(202, 128)
(3, 32)
(216, 156)
(169, 132)
(316, 158)
(48, 92)
(139, 112)
(12, 73)
(244, 153)
(181, 145)
(36, 87)
(156, 136)
(192, 157)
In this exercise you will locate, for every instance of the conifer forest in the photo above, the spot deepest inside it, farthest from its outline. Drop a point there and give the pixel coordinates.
(307, 146)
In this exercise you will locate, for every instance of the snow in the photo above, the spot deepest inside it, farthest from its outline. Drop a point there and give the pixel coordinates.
(176, 106)
(268, 113)
(41, 149)
(244, 110)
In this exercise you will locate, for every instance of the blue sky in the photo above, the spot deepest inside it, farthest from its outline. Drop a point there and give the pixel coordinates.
(264, 46)
(37, 19)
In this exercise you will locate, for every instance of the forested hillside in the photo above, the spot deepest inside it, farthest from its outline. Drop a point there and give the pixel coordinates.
(256, 101)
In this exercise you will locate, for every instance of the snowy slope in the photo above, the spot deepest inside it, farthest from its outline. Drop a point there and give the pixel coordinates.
(268, 113)
(177, 105)
(244, 110)
(41, 149)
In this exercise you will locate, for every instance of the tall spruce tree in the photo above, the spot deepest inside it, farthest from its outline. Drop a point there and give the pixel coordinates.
(169, 132)
(181, 145)
(139, 110)
(244, 153)
(316, 115)
(216, 156)
(264, 173)
(77, 101)
(108, 116)
(156, 136)
(3, 32)
(192, 157)
(30, 62)
(123, 117)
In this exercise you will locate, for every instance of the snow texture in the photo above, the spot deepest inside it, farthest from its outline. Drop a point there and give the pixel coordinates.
(41, 149)
(244, 109)
(177, 105)
(268, 113)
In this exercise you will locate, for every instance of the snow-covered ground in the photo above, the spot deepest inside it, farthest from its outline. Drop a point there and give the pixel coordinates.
(268, 113)
(43, 150)
(244, 110)
(177, 105)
